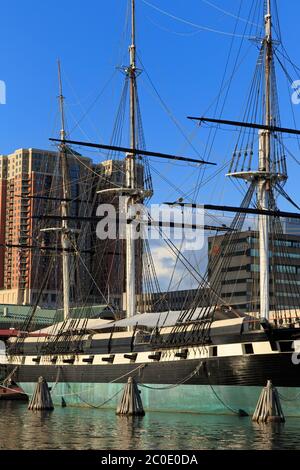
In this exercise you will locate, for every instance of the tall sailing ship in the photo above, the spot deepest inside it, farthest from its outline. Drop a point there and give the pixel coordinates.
(208, 356)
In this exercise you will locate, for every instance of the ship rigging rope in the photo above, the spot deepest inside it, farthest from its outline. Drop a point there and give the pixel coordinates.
(191, 269)
(210, 142)
(190, 137)
(200, 178)
(202, 279)
(87, 111)
(160, 98)
(289, 83)
(219, 106)
(94, 280)
(166, 108)
(228, 13)
(195, 25)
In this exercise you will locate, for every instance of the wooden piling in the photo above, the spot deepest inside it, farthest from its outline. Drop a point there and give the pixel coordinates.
(131, 402)
(41, 398)
(268, 408)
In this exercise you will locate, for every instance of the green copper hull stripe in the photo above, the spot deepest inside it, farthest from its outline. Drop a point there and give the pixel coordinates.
(222, 399)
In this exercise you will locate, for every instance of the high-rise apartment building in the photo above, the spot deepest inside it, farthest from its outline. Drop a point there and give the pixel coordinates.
(30, 186)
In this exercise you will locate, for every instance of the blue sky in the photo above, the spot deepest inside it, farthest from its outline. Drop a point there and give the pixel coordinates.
(184, 62)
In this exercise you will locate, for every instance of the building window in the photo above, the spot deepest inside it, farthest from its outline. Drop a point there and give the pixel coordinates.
(285, 268)
(235, 294)
(280, 268)
(255, 253)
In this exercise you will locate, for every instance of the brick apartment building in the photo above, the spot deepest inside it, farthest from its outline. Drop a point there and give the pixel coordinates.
(27, 178)
(31, 186)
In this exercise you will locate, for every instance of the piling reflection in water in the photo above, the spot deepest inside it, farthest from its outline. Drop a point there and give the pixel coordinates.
(75, 428)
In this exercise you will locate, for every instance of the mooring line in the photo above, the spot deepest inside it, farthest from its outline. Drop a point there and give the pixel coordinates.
(168, 387)
(141, 366)
(91, 388)
(287, 398)
(15, 391)
(10, 375)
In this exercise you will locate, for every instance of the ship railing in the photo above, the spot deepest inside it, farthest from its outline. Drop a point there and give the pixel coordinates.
(288, 322)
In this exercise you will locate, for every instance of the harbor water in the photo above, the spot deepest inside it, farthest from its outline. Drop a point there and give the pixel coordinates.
(74, 428)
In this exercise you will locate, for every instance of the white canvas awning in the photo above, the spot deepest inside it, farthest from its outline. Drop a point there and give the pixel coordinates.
(151, 320)
(74, 324)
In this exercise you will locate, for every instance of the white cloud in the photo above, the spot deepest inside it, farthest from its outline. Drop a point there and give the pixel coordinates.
(165, 262)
